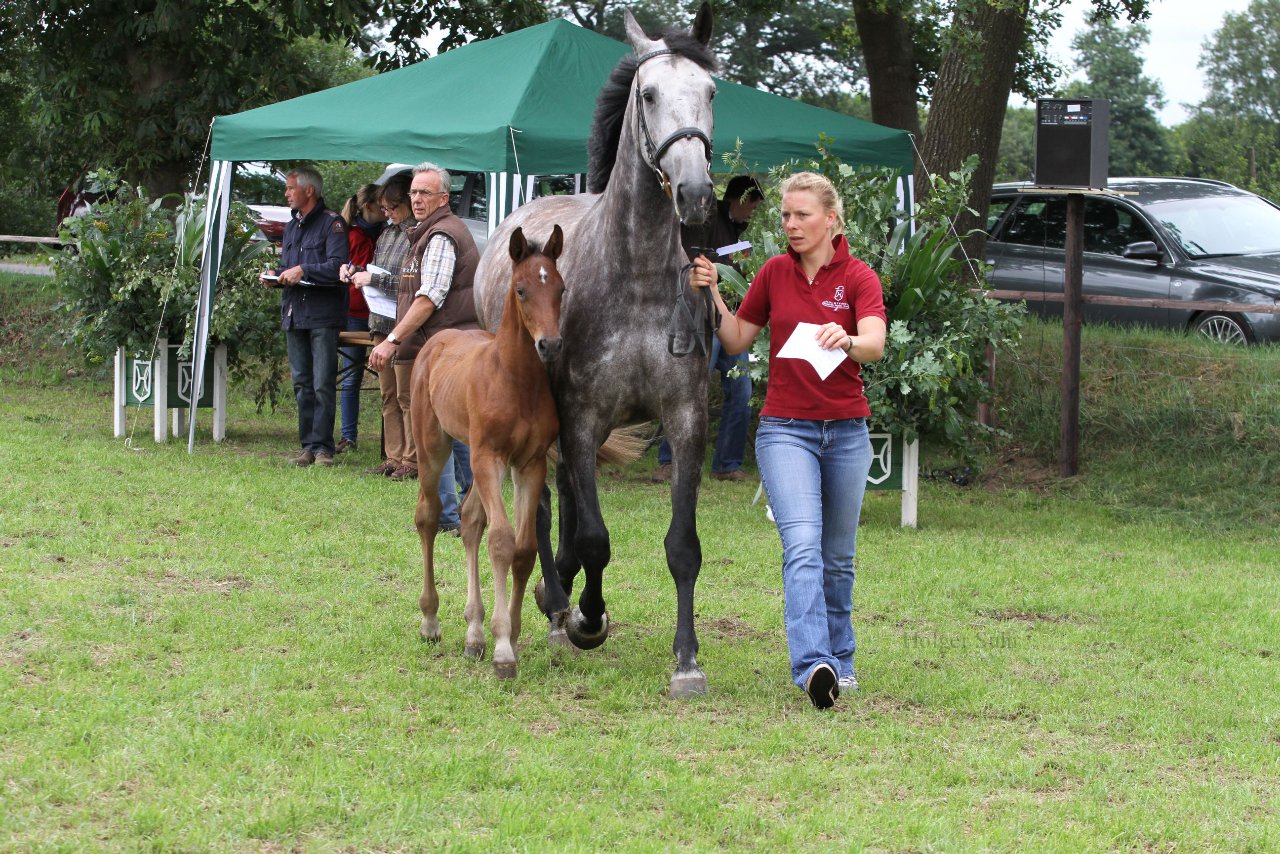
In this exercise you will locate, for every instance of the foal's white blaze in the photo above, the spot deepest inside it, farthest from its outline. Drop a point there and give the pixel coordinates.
(542, 275)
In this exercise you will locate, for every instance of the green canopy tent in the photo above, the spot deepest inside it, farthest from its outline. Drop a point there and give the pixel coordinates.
(521, 103)
(515, 107)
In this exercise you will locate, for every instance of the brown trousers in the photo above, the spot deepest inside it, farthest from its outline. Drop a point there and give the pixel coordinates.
(403, 375)
(397, 431)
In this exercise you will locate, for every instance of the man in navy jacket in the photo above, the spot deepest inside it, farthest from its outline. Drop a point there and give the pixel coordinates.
(313, 309)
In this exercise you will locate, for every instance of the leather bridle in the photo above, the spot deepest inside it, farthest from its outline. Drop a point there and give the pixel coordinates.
(653, 153)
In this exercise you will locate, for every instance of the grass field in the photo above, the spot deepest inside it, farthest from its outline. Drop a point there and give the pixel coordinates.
(217, 652)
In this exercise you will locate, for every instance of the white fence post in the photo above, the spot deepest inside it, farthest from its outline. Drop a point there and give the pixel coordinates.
(160, 391)
(910, 482)
(220, 393)
(119, 411)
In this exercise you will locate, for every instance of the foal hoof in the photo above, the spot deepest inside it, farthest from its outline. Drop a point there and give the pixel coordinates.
(429, 632)
(539, 595)
(476, 652)
(584, 638)
(691, 683)
(504, 669)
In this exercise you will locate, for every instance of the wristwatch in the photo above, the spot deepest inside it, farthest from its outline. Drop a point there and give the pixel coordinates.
(848, 344)
(391, 336)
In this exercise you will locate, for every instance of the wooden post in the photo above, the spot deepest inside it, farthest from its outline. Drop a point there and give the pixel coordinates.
(1072, 308)
(986, 417)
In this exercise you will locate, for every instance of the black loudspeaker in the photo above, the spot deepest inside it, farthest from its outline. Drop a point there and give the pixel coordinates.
(1072, 142)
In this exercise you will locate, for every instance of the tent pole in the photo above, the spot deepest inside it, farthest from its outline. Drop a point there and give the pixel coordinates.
(215, 232)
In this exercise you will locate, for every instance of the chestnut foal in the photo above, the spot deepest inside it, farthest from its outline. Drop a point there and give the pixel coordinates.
(491, 391)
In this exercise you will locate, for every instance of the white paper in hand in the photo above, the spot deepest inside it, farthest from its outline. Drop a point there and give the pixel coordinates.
(379, 303)
(374, 268)
(804, 345)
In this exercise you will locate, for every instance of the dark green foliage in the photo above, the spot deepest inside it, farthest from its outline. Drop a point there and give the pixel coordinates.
(1017, 160)
(1234, 135)
(801, 49)
(136, 84)
(132, 278)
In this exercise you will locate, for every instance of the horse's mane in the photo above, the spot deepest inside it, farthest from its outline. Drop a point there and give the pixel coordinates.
(611, 105)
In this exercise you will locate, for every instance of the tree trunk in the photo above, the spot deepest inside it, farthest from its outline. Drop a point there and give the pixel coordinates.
(969, 101)
(889, 58)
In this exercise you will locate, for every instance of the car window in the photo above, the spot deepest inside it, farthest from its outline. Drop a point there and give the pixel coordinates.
(998, 207)
(554, 185)
(468, 197)
(1110, 227)
(1221, 225)
(1037, 222)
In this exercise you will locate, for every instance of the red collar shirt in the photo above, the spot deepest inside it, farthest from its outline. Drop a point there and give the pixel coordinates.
(781, 296)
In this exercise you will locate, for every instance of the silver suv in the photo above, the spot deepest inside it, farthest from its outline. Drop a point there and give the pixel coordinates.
(1180, 239)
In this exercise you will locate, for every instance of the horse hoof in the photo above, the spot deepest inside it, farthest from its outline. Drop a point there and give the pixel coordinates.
(584, 638)
(559, 638)
(504, 669)
(539, 595)
(692, 683)
(476, 652)
(429, 634)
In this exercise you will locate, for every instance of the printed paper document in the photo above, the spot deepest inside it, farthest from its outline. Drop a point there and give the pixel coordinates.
(803, 345)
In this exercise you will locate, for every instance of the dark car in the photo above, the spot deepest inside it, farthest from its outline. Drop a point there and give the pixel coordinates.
(1181, 239)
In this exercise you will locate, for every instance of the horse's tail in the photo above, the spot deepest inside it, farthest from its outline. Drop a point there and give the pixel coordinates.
(624, 445)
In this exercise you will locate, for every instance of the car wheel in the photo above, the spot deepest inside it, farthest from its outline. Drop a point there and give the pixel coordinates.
(1223, 328)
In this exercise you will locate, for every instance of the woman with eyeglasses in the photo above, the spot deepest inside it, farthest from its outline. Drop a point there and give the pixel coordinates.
(389, 256)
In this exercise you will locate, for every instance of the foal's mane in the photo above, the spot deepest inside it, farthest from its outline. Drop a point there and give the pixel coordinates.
(611, 105)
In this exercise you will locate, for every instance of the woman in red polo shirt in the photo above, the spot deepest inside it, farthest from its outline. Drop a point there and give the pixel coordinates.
(811, 444)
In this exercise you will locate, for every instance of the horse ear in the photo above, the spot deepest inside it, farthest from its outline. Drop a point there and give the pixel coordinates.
(702, 24)
(555, 244)
(639, 40)
(518, 247)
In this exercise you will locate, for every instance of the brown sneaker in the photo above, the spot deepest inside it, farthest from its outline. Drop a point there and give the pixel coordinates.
(384, 470)
(735, 475)
(661, 474)
(324, 459)
(404, 473)
(345, 445)
(305, 458)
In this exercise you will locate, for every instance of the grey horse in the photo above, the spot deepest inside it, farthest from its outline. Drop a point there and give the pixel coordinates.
(635, 338)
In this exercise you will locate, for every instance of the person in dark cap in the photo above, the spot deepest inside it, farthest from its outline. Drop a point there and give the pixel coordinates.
(742, 196)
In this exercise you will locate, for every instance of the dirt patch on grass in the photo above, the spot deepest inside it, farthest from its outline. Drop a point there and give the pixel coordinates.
(186, 583)
(731, 627)
(1016, 468)
(1016, 615)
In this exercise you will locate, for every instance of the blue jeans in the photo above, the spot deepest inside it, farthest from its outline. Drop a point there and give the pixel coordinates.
(735, 413)
(448, 486)
(313, 361)
(350, 400)
(815, 473)
(462, 467)
(455, 478)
